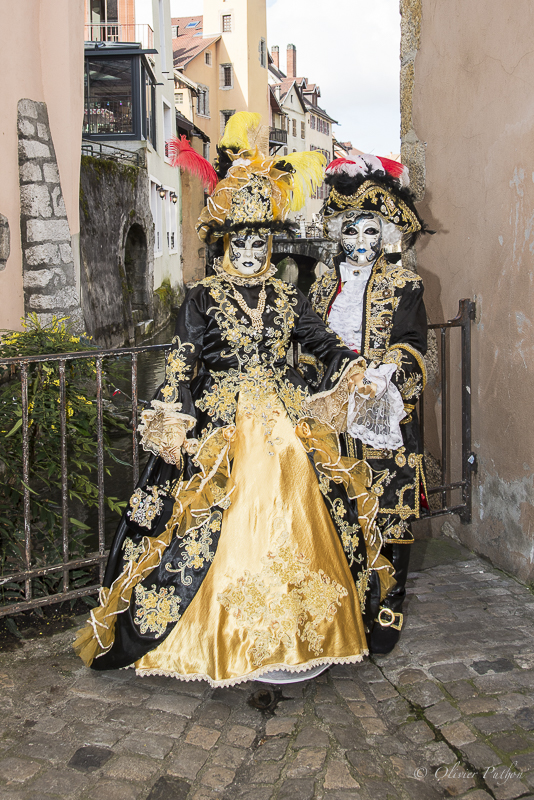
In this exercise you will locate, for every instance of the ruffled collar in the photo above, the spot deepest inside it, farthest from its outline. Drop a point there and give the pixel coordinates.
(252, 280)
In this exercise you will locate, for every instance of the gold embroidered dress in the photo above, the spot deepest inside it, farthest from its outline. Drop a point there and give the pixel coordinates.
(257, 550)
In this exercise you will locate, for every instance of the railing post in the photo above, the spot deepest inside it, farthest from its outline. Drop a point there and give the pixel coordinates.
(64, 479)
(135, 443)
(467, 313)
(100, 463)
(26, 477)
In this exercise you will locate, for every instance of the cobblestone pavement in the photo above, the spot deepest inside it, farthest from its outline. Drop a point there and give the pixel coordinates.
(449, 713)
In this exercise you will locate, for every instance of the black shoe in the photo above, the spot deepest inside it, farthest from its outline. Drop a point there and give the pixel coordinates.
(386, 630)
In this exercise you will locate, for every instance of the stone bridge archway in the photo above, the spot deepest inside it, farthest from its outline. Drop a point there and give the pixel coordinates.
(136, 268)
(306, 253)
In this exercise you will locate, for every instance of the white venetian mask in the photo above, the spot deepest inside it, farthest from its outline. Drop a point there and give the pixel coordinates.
(361, 237)
(248, 252)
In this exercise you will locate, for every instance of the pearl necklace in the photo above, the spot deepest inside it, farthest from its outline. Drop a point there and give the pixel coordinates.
(255, 314)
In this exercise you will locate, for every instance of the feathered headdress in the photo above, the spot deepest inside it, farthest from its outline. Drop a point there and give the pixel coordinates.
(183, 155)
(375, 185)
(249, 188)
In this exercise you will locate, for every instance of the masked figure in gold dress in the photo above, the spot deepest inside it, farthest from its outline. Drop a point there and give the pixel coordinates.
(376, 307)
(250, 543)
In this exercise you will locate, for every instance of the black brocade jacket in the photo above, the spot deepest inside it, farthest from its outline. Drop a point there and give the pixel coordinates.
(394, 330)
(216, 354)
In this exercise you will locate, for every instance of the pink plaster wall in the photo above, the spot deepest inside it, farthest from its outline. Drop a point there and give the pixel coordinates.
(41, 58)
(473, 106)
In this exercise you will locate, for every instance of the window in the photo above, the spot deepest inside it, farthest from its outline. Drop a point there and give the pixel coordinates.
(207, 57)
(263, 52)
(192, 24)
(285, 151)
(312, 122)
(155, 207)
(302, 130)
(206, 150)
(167, 125)
(179, 98)
(226, 23)
(294, 127)
(203, 101)
(225, 116)
(327, 128)
(227, 76)
(149, 126)
(109, 96)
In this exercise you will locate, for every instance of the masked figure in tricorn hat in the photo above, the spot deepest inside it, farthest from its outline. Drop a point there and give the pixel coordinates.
(377, 308)
(250, 545)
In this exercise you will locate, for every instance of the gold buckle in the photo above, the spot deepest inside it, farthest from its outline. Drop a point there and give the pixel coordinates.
(394, 621)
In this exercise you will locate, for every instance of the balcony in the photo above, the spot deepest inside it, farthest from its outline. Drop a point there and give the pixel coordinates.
(277, 136)
(119, 32)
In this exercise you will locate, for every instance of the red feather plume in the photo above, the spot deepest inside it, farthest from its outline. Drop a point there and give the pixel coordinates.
(395, 168)
(182, 155)
(337, 164)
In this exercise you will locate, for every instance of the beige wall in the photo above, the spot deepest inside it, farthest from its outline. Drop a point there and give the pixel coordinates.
(41, 58)
(240, 47)
(472, 108)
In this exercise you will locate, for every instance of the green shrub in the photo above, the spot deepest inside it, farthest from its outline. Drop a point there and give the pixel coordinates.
(45, 453)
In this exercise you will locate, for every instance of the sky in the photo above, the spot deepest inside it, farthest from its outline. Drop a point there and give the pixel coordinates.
(351, 52)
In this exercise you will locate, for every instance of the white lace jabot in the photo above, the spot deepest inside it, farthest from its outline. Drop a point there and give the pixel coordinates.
(347, 309)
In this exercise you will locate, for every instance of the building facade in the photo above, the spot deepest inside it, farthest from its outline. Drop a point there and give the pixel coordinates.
(221, 66)
(40, 129)
(130, 106)
(308, 126)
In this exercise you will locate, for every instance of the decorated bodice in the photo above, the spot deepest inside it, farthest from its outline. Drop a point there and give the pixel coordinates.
(217, 341)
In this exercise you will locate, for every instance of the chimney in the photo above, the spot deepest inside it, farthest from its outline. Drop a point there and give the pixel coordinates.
(275, 55)
(291, 61)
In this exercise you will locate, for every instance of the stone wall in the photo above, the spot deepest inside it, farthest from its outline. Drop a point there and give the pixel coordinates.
(47, 259)
(5, 241)
(117, 288)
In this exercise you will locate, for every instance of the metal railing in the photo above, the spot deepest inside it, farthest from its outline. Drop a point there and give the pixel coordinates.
(128, 33)
(466, 313)
(67, 565)
(111, 153)
(97, 559)
(277, 136)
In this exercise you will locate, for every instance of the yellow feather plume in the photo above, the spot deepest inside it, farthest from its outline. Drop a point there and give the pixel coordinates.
(308, 176)
(236, 130)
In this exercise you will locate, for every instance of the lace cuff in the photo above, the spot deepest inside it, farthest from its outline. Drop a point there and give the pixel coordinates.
(332, 406)
(375, 421)
(163, 430)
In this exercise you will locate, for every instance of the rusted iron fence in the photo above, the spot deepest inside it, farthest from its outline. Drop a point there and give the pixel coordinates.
(447, 487)
(95, 561)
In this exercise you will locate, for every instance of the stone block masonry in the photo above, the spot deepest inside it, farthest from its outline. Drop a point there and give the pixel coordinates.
(47, 260)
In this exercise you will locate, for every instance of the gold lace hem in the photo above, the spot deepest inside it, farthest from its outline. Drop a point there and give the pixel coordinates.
(252, 676)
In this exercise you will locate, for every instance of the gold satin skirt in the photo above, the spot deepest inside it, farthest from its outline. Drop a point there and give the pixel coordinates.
(279, 593)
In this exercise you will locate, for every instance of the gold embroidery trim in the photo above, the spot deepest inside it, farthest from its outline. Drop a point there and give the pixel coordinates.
(155, 610)
(392, 209)
(144, 507)
(285, 600)
(418, 357)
